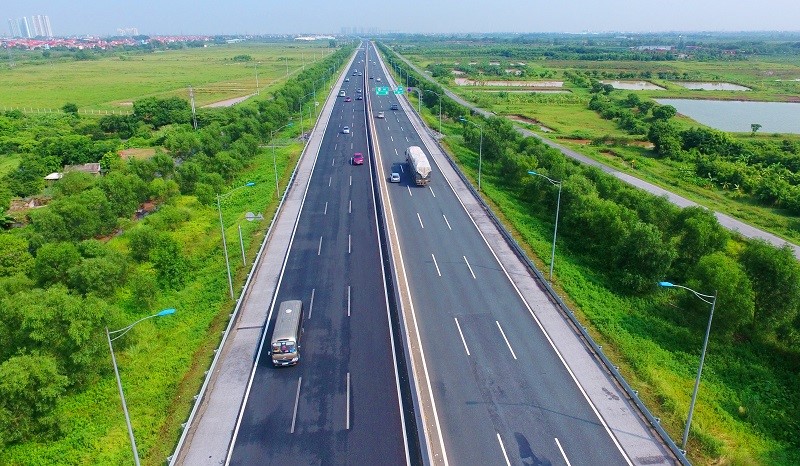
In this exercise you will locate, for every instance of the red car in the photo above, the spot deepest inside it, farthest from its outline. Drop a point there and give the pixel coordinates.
(358, 158)
(348, 99)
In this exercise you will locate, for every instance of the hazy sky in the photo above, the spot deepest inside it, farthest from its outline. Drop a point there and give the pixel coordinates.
(103, 17)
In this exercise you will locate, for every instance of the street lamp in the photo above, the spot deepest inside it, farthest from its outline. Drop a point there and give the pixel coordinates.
(555, 228)
(480, 149)
(274, 164)
(705, 298)
(222, 227)
(258, 89)
(122, 332)
(440, 108)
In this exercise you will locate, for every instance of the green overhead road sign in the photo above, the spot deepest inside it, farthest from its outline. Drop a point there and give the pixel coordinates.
(399, 90)
(381, 91)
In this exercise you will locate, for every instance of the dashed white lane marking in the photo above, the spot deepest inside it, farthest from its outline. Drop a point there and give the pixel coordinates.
(448, 223)
(319, 249)
(434, 194)
(468, 266)
(506, 339)
(296, 402)
(420, 220)
(437, 265)
(462, 336)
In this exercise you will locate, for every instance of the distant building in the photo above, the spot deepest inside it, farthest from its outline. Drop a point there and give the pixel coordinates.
(24, 30)
(128, 32)
(90, 168)
(13, 27)
(41, 26)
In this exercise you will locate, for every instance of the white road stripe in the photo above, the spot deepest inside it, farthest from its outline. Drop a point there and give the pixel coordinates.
(335, 145)
(437, 265)
(326, 209)
(333, 162)
(296, 402)
(311, 304)
(391, 138)
(319, 249)
(401, 166)
(502, 447)
(434, 194)
(351, 180)
(401, 128)
(462, 336)
(409, 190)
(506, 339)
(468, 266)
(448, 223)
(350, 207)
(562, 452)
(395, 151)
(349, 243)
(351, 146)
(348, 300)
(330, 180)
(348, 401)
(420, 220)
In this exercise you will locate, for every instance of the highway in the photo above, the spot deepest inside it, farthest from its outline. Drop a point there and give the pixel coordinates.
(502, 393)
(341, 403)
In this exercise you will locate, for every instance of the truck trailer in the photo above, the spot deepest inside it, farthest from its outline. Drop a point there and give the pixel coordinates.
(418, 165)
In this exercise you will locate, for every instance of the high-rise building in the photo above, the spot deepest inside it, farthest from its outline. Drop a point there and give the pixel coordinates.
(13, 27)
(24, 30)
(41, 26)
(47, 28)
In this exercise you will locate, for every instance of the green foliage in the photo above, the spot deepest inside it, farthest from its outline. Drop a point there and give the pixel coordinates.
(144, 288)
(142, 240)
(171, 266)
(30, 387)
(70, 108)
(775, 276)
(242, 58)
(159, 112)
(53, 261)
(15, 258)
(697, 233)
(642, 258)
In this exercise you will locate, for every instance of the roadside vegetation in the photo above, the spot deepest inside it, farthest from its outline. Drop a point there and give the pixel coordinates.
(103, 252)
(616, 243)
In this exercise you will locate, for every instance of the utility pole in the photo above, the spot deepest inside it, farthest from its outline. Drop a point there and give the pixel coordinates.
(194, 112)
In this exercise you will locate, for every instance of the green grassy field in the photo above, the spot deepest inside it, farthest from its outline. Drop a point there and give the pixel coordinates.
(113, 83)
(8, 163)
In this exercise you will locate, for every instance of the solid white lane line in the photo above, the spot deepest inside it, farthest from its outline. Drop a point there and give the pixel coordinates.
(296, 402)
(311, 304)
(350, 207)
(448, 223)
(462, 336)
(468, 266)
(348, 401)
(420, 220)
(437, 265)
(506, 339)
(503, 447)
(319, 249)
(395, 151)
(409, 190)
(351, 180)
(326, 209)
(562, 452)
(349, 244)
(330, 180)
(348, 300)
(434, 194)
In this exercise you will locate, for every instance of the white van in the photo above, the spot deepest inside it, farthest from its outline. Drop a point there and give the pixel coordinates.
(285, 349)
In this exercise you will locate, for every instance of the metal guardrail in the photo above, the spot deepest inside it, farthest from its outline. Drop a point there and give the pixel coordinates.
(633, 395)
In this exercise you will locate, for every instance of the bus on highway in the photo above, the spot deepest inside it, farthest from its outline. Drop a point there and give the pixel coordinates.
(286, 334)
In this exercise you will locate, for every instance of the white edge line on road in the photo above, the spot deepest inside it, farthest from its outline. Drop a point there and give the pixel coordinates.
(462, 336)
(437, 265)
(420, 220)
(469, 267)
(503, 447)
(506, 339)
(448, 223)
(536, 319)
(277, 287)
(311, 304)
(562, 452)
(348, 401)
(296, 402)
(319, 249)
(382, 185)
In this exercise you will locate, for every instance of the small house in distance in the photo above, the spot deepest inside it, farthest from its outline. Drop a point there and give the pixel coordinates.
(90, 168)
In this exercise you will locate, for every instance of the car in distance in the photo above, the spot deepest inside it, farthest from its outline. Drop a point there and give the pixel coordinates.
(394, 107)
(347, 80)
(394, 177)
(380, 115)
(348, 99)
(358, 158)
(372, 77)
(359, 98)
(346, 130)
(378, 79)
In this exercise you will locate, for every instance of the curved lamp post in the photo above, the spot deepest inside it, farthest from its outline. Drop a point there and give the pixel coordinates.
(122, 332)
(555, 229)
(480, 149)
(440, 108)
(713, 302)
(222, 227)
(274, 163)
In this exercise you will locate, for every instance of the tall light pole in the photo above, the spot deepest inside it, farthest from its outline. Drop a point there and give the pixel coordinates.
(705, 298)
(222, 227)
(258, 89)
(555, 228)
(480, 149)
(419, 101)
(122, 332)
(274, 163)
(440, 108)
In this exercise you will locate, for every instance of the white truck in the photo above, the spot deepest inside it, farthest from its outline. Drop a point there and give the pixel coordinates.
(419, 166)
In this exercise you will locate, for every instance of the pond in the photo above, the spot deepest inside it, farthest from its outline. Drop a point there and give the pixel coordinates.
(737, 116)
(712, 86)
(634, 85)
